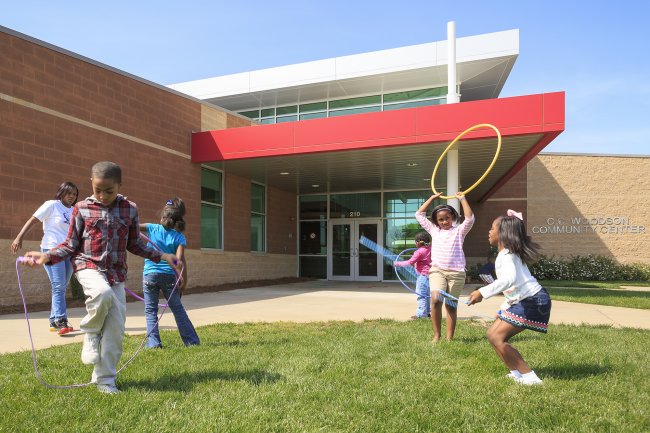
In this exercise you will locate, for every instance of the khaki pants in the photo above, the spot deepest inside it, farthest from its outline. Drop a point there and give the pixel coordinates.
(451, 282)
(106, 315)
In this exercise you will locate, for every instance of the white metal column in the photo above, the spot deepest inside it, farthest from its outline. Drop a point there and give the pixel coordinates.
(452, 98)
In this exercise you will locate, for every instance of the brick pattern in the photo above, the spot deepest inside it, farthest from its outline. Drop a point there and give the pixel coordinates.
(512, 195)
(60, 114)
(281, 221)
(237, 213)
(568, 186)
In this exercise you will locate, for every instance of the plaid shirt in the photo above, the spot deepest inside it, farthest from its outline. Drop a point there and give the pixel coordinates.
(99, 237)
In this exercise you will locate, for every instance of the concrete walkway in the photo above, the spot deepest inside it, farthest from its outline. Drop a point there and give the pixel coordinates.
(303, 302)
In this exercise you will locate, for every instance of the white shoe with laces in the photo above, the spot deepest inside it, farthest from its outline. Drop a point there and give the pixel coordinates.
(108, 389)
(90, 351)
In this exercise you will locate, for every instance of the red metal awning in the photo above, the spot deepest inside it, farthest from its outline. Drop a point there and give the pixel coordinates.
(363, 146)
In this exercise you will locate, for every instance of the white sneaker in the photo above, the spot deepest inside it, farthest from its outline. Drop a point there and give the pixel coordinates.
(90, 351)
(512, 376)
(108, 389)
(525, 381)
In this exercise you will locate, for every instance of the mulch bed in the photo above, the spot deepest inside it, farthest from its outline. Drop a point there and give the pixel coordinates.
(73, 303)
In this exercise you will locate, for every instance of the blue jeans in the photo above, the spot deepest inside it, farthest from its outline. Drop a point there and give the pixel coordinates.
(152, 284)
(424, 300)
(59, 276)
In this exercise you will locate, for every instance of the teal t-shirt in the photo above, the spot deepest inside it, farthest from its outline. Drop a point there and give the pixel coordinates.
(166, 240)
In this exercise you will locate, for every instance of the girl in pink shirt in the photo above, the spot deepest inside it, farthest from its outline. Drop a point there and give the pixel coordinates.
(421, 261)
(447, 271)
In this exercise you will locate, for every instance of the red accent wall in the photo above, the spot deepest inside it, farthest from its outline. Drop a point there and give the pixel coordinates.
(531, 114)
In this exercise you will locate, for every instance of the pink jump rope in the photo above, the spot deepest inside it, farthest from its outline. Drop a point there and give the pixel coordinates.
(23, 259)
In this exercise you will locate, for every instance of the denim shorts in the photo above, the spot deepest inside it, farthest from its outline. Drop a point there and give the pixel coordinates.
(530, 313)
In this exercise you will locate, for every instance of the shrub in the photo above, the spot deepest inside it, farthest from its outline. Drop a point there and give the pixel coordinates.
(590, 268)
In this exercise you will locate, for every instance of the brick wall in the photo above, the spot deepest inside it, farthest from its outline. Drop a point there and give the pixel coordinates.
(512, 195)
(281, 222)
(571, 198)
(237, 213)
(61, 113)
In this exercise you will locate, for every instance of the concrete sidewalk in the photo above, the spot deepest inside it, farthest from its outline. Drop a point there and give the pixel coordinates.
(302, 302)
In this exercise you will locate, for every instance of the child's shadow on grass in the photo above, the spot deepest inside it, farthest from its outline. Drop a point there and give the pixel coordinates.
(184, 382)
(573, 371)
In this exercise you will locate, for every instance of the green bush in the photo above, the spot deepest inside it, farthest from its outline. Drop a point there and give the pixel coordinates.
(588, 268)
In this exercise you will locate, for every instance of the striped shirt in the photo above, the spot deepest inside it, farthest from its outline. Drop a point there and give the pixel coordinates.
(446, 245)
(420, 260)
(99, 237)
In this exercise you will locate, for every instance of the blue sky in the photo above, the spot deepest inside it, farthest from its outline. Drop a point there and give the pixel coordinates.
(596, 51)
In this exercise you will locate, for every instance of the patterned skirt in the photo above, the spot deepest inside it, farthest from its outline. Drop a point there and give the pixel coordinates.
(530, 313)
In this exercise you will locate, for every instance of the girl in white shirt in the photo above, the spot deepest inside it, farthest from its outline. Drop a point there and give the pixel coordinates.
(527, 304)
(55, 216)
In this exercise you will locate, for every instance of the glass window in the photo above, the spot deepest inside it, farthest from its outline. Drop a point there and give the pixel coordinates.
(415, 94)
(362, 205)
(282, 119)
(267, 112)
(258, 199)
(399, 234)
(211, 186)
(360, 110)
(211, 226)
(290, 109)
(318, 115)
(404, 204)
(211, 209)
(250, 114)
(267, 121)
(428, 102)
(313, 237)
(258, 217)
(313, 266)
(313, 207)
(355, 102)
(315, 106)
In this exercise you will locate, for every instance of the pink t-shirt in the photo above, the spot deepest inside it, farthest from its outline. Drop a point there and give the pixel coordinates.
(446, 245)
(420, 260)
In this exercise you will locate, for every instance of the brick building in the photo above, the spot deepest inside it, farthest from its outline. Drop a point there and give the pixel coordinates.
(283, 180)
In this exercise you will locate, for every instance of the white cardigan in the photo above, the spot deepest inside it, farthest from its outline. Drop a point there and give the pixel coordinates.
(513, 279)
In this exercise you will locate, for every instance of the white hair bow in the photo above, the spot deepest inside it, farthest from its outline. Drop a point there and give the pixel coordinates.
(515, 214)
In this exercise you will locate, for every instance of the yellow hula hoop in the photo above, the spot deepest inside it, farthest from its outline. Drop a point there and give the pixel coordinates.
(461, 135)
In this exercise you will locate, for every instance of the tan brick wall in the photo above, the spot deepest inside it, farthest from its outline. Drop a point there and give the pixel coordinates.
(591, 188)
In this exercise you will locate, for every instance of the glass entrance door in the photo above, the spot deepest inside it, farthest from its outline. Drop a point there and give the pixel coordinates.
(347, 259)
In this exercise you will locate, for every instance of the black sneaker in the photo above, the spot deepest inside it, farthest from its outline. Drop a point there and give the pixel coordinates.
(54, 327)
(63, 327)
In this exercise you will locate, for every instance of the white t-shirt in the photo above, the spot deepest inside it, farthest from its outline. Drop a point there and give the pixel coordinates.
(56, 222)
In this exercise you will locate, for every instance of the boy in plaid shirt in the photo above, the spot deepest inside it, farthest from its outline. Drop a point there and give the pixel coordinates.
(102, 228)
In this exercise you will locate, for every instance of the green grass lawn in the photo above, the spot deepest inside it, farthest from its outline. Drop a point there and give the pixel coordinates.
(375, 376)
(612, 297)
(593, 284)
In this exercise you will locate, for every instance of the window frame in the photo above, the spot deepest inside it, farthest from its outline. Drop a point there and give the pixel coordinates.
(216, 205)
